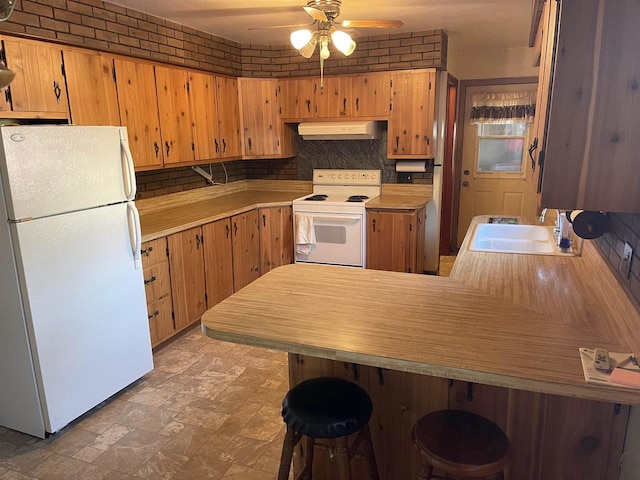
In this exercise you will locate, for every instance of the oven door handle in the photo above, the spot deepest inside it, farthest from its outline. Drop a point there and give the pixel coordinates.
(342, 219)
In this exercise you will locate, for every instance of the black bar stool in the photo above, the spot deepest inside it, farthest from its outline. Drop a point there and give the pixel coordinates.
(330, 408)
(460, 443)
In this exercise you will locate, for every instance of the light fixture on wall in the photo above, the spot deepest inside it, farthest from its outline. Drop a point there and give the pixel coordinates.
(6, 9)
(324, 14)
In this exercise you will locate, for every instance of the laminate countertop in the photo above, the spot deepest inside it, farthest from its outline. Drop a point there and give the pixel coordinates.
(398, 202)
(514, 321)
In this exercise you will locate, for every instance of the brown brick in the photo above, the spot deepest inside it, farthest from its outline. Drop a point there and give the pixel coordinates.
(94, 22)
(136, 33)
(152, 46)
(117, 28)
(66, 16)
(115, 8)
(422, 64)
(156, 20)
(79, 8)
(423, 48)
(40, 32)
(167, 49)
(175, 43)
(51, 3)
(93, 3)
(156, 38)
(23, 18)
(106, 36)
(128, 41)
(148, 26)
(37, 9)
(126, 20)
(103, 14)
(98, 44)
(66, 37)
(136, 14)
(399, 50)
(411, 41)
(167, 32)
(54, 25)
(82, 31)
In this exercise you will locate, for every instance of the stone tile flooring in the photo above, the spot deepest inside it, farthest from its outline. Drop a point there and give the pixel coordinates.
(209, 410)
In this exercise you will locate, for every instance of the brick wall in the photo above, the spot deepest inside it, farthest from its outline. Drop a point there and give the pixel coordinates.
(623, 227)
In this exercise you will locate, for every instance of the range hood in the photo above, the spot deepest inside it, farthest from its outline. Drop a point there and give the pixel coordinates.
(356, 130)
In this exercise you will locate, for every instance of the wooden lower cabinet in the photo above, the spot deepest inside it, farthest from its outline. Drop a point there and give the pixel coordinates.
(218, 261)
(276, 237)
(395, 240)
(552, 437)
(246, 248)
(157, 285)
(186, 261)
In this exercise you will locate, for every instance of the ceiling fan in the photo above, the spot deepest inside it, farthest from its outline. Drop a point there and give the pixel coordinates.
(324, 14)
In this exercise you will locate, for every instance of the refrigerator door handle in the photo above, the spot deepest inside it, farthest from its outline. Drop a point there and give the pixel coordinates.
(128, 167)
(135, 233)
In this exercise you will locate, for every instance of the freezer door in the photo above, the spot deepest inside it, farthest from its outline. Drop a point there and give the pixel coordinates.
(48, 170)
(85, 307)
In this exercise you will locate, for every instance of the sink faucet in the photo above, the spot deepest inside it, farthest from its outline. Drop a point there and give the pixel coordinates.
(560, 230)
(543, 215)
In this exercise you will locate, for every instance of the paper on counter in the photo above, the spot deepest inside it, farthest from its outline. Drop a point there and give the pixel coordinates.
(591, 375)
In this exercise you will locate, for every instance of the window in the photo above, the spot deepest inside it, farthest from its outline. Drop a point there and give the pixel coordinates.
(501, 147)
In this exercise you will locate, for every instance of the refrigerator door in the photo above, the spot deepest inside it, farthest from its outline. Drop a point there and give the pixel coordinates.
(85, 307)
(48, 170)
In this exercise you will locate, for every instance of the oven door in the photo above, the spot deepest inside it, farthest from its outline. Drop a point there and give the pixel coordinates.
(339, 240)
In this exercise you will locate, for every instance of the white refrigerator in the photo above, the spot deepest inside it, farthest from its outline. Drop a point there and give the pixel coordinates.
(73, 317)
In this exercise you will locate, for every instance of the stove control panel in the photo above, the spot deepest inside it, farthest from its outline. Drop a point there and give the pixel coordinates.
(346, 177)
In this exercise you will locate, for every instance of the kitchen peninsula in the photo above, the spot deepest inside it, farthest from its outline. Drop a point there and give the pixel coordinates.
(500, 337)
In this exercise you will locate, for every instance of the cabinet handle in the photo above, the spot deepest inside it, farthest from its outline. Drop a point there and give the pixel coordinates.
(7, 95)
(151, 280)
(411, 227)
(264, 220)
(224, 146)
(344, 106)
(167, 147)
(428, 140)
(249, 142)
(198, 242)
(373, 223)
(532, 148)
(154, 314)
(226, 228)
(56, 90)
(357, 104)
(156, 147)
(235, 228)
(215, 141)
(146, 251)
(308, 102)
(397, 142)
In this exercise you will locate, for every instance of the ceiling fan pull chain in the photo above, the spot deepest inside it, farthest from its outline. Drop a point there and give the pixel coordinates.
(321, 72)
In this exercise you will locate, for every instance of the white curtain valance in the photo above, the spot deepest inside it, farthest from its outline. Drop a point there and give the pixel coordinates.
(503, 107)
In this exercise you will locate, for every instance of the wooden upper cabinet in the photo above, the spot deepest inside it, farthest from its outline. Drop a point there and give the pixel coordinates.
(276, 237)
(412, 114)
(371, 95)
(592, 141)
(139, 112)
(298, 98)
(334, 99)
(39, 84)
(91, 86)
(263, 135)
(228, 117)
(175, 115)
(204, 117)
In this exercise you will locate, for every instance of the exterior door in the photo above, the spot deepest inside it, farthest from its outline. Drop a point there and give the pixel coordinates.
(492, 181)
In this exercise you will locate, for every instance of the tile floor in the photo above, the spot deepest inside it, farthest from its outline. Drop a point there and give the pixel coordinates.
(209, 410)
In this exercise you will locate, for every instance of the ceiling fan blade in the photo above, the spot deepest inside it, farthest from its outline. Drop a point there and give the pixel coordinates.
(280, 26)
(371, 23)
(316, 14)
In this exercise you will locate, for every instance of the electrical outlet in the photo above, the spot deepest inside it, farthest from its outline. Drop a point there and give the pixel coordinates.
(627, 256)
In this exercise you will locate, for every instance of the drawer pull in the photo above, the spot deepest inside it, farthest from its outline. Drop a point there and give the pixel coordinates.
(154, 314)
(146, 251)
(151, 280)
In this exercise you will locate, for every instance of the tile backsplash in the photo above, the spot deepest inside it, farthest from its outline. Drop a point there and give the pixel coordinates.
(623, 227)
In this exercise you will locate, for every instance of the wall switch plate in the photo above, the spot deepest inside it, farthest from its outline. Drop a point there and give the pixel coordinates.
(626, 258)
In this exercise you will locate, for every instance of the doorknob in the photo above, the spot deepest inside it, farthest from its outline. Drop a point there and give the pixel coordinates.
(466, 172)
(465, 184)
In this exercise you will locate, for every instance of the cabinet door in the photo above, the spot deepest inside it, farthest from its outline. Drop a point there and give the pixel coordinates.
(161, 325)
(260, 116)
(276, 237)
(334, 99)
(421, 218)
(139, 112)
(204, 117)
(218, 261)
(412, 114)
(391, 241)
(175, 115)
(246, 249)
(298, 98)
(187, 276)
(371, 95)
(39, 84)
(91, 85)
(228, 117)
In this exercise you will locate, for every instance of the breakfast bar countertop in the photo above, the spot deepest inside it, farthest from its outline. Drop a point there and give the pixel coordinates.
(514, 321)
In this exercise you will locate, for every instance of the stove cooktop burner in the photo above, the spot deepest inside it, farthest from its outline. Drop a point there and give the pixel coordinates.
(357, 198)
(321, 197)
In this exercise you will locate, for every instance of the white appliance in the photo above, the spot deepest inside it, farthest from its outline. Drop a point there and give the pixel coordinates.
(353, 130)
(74, 328)
(337, 215)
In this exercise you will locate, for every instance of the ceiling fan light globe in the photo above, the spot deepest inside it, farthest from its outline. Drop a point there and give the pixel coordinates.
(324, 50)
(6, 75)
(301, 38)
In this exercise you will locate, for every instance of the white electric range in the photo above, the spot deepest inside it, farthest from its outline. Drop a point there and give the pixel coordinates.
(330, 224)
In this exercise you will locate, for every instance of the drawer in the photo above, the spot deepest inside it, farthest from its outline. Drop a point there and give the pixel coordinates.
(154, 251)
(156, 281)
(160, 321)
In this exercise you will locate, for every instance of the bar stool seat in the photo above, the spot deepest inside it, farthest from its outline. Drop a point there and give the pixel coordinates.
(460, 443)
(328, 408)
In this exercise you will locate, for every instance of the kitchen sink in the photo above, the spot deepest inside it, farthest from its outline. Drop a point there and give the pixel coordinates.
(507, 238)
